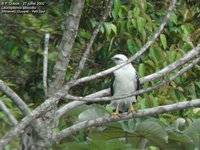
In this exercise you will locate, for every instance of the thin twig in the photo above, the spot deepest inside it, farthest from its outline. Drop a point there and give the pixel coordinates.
(36, 124)
(89, 44)
(8, 113)
(32, 116)
(15, 98)
(45, 63)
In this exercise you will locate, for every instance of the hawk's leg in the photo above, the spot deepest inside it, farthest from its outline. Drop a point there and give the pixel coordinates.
(131, 109)
(116, 113)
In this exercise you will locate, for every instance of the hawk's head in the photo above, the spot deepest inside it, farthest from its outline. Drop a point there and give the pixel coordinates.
(119, 59)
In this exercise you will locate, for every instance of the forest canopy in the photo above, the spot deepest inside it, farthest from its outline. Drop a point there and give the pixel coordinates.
(56, 72)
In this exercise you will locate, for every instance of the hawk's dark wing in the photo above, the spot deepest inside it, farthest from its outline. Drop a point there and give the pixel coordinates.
(111, 86)
(138, 84)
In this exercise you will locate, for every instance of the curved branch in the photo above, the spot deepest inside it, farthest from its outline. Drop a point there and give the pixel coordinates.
(36, 124)
(138, 54)
(15, 98)
(124, 116)
(8, 113)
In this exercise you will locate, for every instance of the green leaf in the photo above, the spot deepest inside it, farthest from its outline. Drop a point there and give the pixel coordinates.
(74, 145)
(113, 27)
(132, 46)
(193, 131)
(185, 29)
(172, 56)
(136, 12)
(179, 137)
(163, 41)
(141, 22)
(150, 63)
(154, 54)
(134, 23)
(141, 70)
(110, 27)
(198, 84)
(107, 27)
(152, 131)
(94, 112)
(173, 18)
(112, 131)
(117, 7)
(128, 125)
(115, 144)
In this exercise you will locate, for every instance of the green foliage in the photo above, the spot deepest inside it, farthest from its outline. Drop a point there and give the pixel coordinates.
(94, 112)
(129, 26)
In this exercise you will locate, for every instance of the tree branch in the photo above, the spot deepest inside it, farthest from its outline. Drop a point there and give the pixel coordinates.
(89, 44)
(45, 63)
(138, 54)
(74, 104)
(60, 68)
(124, 116)
(92, 99)
(15, 98)
(8, 113)
(65, 48)
(40, 110)
(106, 92)
(187, 57)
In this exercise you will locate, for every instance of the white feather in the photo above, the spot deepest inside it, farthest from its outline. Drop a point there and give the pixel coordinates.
(125, 82)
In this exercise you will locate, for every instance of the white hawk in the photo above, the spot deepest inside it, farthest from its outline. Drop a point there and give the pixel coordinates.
(125, 81)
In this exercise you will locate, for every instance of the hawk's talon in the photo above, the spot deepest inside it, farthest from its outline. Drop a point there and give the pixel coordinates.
(132, 109)
(116, 114)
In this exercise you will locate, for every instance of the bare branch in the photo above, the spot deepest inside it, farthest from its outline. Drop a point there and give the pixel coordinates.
(65, 48)
(138, 54)
(91, 99)
(73, 104)
(60, 68)
(36, 124)
(40, 110)
(187, 57)
(89, 44)
(45, 63)
(124, 116)
(62, 62)
(15, 98)
(190, 55)
(8, 113)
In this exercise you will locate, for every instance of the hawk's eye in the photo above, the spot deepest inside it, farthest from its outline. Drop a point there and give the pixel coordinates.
(117, 59)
